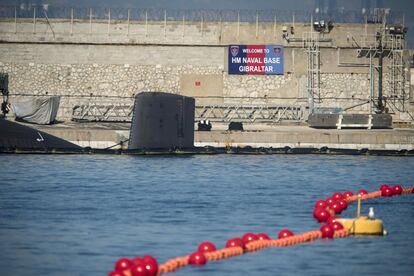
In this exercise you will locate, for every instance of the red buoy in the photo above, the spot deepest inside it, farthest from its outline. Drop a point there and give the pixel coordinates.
(139, 270)
(206, 247)
(321, 214)
(348, 194)
(249, 237)
(151, 265)
(327, 231)
(137, 260)
(122, 264)
(262, 237)
(235, 242)
(337, 226)
(362, 192)
(383, 186)
(331, 219)
(321, 204)
(336, 207)
(197, 258)
(387, 192)
(343, 204)
(329, 200)
(284, 233)
(337, 196)
(397, 190)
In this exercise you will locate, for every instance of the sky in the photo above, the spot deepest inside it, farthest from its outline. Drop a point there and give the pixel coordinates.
(405, 6)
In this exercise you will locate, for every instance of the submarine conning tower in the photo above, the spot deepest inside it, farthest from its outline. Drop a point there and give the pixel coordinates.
(162, 121)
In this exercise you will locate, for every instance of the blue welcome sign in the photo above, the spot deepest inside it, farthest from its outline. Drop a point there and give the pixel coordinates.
(256, 59)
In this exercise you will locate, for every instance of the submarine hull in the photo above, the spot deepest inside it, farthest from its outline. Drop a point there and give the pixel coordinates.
(15, 136)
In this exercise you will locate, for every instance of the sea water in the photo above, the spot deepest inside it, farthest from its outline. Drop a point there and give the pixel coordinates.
(77, 214)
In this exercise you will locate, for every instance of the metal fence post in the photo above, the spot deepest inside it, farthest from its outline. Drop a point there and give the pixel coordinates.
(403, 20)
(165, 23)
(71, 21)
(274, 27)
(257, 24)
(220, 26)
(146, 23)
(34, 20)
(238, 24)
(90, 20)
(15, 20)
(202, 25)
(183, 25)
(129, 14)
(109, 21)
(366, 25)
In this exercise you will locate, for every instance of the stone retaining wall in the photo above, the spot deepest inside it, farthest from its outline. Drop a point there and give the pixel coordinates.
(80, 83)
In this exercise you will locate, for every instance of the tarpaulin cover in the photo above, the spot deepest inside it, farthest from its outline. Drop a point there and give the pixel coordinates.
(41, 110)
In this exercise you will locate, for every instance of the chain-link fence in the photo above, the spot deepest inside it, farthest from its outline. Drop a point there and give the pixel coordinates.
(96, 13)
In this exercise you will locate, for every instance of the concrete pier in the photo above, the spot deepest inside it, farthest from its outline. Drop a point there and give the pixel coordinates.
(305, 137)
(105, 135)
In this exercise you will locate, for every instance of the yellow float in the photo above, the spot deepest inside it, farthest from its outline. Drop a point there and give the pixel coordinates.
(363, 225)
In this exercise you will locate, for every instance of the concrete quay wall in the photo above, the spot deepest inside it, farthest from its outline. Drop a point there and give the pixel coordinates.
(302, 138)
(276, 137)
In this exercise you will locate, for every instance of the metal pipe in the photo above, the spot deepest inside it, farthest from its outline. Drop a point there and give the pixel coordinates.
(372, 84)
(357, 105)
(380, 71)
(318, 65)
(310, 80)
(348, 64)
(359, 206)
(48, 23)
(380, 104)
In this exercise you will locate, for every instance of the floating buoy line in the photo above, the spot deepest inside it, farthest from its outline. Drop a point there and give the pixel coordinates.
(326, 211)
